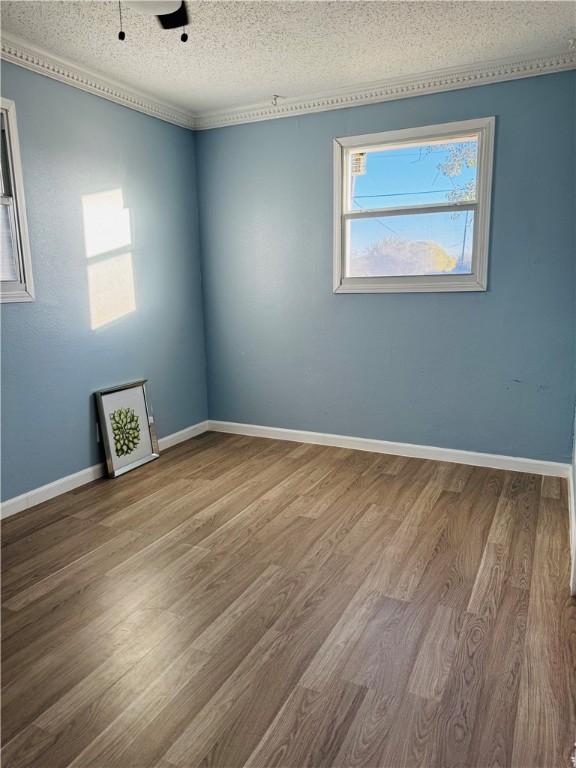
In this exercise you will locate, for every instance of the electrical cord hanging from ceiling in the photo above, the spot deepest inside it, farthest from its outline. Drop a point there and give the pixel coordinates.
(121, 34)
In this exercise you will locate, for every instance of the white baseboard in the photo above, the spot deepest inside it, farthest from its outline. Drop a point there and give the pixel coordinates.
(495, 461)
(572, 507)
(49, 491)
(492, 460)
(68, 483)
(184, 434)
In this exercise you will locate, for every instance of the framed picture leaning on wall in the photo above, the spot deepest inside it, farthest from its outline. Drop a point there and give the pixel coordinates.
(126, 427)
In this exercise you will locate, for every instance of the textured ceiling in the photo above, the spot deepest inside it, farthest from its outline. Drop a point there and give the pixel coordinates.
(240, 53)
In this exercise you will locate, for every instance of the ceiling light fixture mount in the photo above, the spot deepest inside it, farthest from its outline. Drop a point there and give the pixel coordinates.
(171, 14)
(154, 7)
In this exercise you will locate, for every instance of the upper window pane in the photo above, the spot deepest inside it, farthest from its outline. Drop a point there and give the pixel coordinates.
(411, 174)
(6, 186)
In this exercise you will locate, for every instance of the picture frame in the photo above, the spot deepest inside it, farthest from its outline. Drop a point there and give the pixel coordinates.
(127, 428)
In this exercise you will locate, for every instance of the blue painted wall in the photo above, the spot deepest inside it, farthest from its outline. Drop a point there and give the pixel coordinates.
(487, 371)
(481, 371)
(75, 144)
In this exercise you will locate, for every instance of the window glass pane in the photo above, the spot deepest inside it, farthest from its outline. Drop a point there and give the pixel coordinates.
(413, 174)
(415, 244)
(8, 253)
(4, 165)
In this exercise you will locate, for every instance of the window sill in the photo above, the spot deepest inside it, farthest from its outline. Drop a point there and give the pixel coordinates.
(21, 295)
(409, 285)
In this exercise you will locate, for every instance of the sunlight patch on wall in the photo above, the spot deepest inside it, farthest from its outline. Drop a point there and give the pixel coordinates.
(111, 288)
(107, 236)
(106, 222)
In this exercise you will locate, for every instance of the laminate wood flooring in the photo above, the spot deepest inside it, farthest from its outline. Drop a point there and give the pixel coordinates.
(250, 602)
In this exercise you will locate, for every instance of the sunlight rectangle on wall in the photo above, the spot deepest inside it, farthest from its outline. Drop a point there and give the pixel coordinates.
(108, 242)
(106, 222)
(111, 289)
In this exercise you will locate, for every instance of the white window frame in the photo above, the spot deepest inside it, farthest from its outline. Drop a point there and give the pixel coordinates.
(21, 289)
(477, 280)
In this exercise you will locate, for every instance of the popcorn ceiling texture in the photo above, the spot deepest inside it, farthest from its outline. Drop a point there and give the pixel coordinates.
(240, 53)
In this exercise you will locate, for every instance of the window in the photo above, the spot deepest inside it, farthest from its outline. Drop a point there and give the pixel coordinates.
(15, 265)
(412, 209)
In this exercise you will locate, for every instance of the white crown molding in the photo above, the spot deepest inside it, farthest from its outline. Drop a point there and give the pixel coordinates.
(19, 52)
(395, 88)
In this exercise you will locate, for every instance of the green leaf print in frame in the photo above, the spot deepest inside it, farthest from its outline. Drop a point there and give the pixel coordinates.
(126, 430)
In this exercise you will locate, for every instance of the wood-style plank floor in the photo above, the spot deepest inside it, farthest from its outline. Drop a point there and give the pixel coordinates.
(248, 602)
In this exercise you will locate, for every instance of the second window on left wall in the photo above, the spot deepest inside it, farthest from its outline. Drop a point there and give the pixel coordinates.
(16, 282)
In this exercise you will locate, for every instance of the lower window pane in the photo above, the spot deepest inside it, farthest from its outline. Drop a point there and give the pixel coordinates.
(8, 254)
(414, 244)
